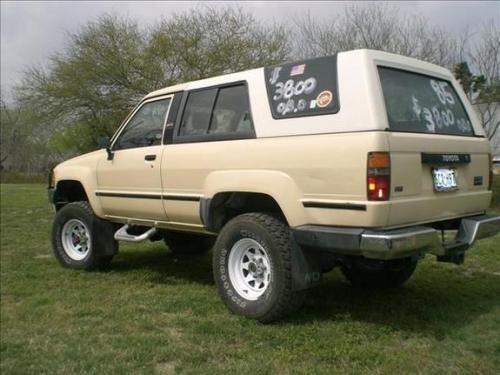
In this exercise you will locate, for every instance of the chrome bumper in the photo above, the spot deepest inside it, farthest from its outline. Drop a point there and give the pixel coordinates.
(397, 243)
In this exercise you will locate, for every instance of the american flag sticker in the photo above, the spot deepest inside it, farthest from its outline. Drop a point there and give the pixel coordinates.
(297, 70)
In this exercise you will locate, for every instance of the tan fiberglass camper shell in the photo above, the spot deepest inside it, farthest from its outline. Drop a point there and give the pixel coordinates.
(359, 160)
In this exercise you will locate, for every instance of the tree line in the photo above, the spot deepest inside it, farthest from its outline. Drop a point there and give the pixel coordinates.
(87, 89)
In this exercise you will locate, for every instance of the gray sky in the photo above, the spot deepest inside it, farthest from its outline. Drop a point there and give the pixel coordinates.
(31, 31)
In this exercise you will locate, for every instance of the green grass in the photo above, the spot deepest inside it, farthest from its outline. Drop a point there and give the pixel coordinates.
(12, 177)
(156, 313)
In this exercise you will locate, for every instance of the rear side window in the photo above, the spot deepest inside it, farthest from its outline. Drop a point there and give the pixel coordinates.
(422, 104)
(303, 88)
(231, 113)
(213, 113)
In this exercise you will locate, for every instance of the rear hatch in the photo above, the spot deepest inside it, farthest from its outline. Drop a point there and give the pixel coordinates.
(439, 167)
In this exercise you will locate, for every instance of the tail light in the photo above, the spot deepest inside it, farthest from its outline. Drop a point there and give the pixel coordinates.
(378, 177)
(490, 167)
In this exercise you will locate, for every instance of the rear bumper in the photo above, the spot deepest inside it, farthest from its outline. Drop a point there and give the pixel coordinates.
(397, 243)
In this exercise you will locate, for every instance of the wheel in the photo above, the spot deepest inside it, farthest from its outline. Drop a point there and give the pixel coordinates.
(188, 243)
(379, 274)
(80, 239)
(252, 268)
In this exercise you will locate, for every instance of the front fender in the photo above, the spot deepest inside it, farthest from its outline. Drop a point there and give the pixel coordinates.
(83, 170)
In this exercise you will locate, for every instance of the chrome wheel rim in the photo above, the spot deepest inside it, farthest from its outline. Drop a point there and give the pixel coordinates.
(249, 268)
(76, 240)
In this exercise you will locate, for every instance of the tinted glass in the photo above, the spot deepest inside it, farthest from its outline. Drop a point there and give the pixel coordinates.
(303, 88)
(422, 104)
(231, 114)
(146, 126)
(196, 118)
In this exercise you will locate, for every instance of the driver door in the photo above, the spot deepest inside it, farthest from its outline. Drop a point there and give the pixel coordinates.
(129, 185)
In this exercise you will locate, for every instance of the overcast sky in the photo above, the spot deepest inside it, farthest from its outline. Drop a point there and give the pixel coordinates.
(31, 31)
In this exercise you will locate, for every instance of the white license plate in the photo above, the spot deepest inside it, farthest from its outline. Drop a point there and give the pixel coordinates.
(445, 179)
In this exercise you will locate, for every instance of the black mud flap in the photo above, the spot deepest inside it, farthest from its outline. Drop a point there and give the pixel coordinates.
(306, 272)
(455, 257)
(105, 237)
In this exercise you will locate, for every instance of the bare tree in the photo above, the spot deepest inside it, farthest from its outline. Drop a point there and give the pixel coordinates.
(484, 57)
(379, 26)
(24, 145)
(9, 133)
(382, 26)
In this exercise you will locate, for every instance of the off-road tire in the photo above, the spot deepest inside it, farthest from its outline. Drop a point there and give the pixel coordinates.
(379, 274)
(187, 243)
(279, 299)
(103, 246)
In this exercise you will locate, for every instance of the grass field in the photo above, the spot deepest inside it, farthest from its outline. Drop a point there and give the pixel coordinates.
(157, 313)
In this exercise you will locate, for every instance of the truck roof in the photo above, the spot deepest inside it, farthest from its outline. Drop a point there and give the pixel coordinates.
(386, 57)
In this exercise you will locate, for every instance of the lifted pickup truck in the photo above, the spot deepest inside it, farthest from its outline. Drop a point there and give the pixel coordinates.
(361, 160)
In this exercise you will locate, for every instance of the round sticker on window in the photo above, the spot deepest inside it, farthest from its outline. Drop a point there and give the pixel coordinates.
(324, 98)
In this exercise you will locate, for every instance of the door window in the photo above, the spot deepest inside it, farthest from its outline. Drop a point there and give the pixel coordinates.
(145, 128)
(196, 117)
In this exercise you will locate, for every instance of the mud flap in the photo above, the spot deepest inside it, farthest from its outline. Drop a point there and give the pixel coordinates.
(104, 241)
(306, 272)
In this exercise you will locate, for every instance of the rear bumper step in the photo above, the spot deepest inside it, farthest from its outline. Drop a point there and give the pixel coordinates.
(398, 243)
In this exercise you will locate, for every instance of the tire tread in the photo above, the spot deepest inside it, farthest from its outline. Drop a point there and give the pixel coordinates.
(96, 261)
(289, 300)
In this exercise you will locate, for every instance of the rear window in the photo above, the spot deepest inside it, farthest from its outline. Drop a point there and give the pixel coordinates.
(422, 104)
(303, 88)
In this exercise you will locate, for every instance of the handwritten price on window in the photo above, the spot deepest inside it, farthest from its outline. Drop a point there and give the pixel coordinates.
(438, 117)
(286, 91)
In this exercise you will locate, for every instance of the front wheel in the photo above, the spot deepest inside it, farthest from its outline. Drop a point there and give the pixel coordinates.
(379, 274)
(80, 239)
(253, 269)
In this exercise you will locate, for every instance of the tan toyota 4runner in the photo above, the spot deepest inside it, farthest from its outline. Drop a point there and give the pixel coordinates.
(363, 160)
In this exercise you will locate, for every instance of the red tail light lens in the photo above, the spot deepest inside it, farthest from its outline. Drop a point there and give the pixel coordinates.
(378, 188)
(378, 178)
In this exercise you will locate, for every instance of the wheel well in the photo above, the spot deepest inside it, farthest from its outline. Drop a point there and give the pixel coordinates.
(223, 207)
(69, 191)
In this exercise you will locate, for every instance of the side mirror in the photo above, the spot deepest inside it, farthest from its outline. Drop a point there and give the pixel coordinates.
(105, 143)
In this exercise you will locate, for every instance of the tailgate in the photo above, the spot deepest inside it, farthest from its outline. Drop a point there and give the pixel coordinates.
(414, 197)
(439, 167)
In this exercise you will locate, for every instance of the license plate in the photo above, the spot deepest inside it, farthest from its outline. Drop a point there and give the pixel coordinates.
(445, 179)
